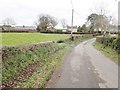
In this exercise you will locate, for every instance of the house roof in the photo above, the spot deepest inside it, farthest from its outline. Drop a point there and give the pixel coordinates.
(69, 27)
(25, 27)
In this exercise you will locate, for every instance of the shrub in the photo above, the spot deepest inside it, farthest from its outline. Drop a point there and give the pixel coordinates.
(59, 30)
(60, 41)
(111, 41)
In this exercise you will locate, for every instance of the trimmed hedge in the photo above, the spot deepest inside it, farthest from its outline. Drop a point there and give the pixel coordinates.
(56, 32)
(69, 38)
(9, 51)
(112, 42)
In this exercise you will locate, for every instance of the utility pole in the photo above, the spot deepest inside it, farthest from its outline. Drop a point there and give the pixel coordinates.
(72, 21)
(72, 18)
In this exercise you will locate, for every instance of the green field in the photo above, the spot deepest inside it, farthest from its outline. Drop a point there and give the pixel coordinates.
(13, 39)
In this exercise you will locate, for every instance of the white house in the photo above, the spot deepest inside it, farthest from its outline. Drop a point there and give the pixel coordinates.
(74, 29)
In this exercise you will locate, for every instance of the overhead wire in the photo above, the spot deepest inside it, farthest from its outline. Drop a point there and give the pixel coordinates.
(74, 9)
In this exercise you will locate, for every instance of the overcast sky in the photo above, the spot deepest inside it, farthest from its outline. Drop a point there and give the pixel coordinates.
(25, 12)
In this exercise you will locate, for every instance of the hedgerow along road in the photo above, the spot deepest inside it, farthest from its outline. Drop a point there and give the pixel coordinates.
(85, 67)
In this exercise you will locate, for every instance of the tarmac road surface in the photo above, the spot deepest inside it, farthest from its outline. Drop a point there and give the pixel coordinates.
(85, 67)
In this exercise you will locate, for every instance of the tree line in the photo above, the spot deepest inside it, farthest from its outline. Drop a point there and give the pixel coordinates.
(97, 21)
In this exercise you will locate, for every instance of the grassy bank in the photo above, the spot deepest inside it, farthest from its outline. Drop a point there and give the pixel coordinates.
(108, 51)
(43, 74)
(32, 66)
(19, 67)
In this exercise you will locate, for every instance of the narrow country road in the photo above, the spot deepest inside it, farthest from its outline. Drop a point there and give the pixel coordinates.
(85, 67)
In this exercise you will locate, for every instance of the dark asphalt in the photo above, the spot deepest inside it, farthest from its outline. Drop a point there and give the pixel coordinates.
(85, 67)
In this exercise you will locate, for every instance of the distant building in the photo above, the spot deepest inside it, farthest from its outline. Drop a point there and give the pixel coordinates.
(8, 28)
(0, 28)
(74, 28)
(51, 29)
(114, 28)
(25, 28)
(65, 30)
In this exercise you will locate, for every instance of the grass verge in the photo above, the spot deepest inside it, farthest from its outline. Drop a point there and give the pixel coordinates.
(108, 51)
(43, 74)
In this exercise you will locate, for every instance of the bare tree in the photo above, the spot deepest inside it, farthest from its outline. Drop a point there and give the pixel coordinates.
(45, 22)
(53, 21)
(98, 22)
(64, 23)
(113, 23)
(102, 19)
(105, 21)
(100, 8)
(8, 21)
